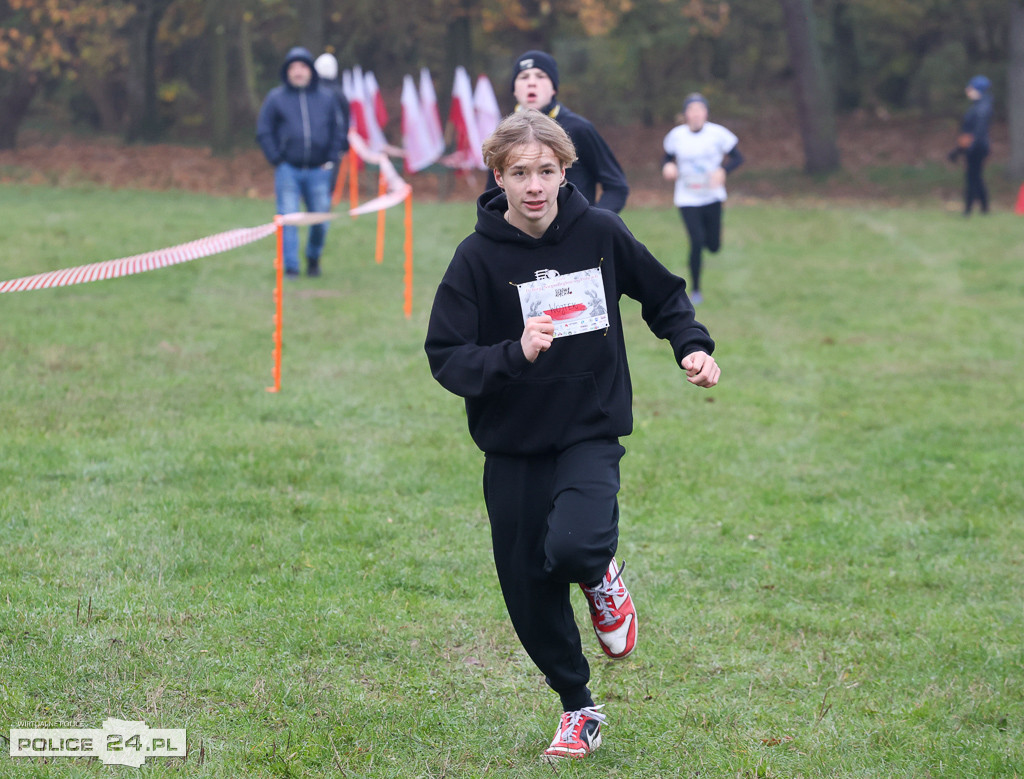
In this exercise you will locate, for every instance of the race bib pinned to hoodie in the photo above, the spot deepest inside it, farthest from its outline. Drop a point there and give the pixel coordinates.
(575, 301)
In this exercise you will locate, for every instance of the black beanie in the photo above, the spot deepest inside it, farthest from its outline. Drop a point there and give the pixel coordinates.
(536, 59)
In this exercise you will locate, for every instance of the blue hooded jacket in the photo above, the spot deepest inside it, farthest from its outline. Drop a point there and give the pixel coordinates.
(300, 126)
(978, 117)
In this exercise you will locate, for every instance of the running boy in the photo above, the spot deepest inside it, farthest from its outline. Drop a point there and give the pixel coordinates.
(525, 326)
(698, 155)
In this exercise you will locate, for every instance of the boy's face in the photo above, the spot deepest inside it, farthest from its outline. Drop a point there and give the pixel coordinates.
(696, 114)
(531, 180)
(533, 89)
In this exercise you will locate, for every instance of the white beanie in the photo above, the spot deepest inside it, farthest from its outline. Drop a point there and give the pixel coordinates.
(327, 66)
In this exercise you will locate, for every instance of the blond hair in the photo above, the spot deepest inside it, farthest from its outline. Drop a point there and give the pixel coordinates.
(521, 128)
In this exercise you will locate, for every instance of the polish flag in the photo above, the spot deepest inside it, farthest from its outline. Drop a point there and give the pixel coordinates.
(357, 109)
(417, 141)
(373, 137)
(467, 154)
(488, 112)
(431, 114)
(375, 99)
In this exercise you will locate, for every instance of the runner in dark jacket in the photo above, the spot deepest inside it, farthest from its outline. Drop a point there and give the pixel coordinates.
(535, 84)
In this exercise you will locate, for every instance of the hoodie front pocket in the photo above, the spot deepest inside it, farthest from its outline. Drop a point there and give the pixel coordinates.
(534, 416)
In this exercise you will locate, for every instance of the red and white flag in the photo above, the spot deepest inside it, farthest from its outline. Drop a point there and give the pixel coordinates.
(374, 137)
(357, 108)
(376, 100)
(417, 140)
(431, 113)
(488, 112)
(467, 155)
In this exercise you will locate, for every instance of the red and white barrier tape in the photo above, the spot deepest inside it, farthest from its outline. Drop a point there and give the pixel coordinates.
(139, 263)
(204, 247)
(398, 189)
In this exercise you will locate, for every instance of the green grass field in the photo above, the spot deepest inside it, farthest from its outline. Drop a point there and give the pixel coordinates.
(826, 551)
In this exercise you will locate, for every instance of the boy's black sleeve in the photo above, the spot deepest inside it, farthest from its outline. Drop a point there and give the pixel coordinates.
(665, 305)
(596, 154)
(459, 363)
(733, 159)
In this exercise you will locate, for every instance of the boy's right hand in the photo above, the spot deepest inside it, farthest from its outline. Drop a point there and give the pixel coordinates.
(537, 336)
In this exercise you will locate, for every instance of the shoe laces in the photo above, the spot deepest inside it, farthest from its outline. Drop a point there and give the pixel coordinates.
(573, 720)
(601, 597)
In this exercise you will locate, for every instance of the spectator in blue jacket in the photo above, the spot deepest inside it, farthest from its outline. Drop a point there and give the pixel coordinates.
(973, 142)
(300, 134)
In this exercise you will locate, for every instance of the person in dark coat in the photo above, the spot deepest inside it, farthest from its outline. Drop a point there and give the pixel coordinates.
(299, 131)
(973, 143)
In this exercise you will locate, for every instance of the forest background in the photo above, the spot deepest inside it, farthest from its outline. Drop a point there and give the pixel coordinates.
(813, 86)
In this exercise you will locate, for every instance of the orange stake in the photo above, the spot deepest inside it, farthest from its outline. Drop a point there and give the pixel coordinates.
(382, 188)
(408, 255)
(339, 183)
(279, 304)
(353, 181)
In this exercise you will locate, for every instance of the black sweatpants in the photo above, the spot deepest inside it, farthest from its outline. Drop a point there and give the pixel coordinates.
(974, 186)
(704, 226)
(554, 522)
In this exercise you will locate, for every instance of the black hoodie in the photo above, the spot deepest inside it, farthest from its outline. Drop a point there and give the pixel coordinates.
(579, 389)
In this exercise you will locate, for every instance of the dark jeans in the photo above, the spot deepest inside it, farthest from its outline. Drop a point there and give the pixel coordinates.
(704, 226)
(554, 522)
(974, 187)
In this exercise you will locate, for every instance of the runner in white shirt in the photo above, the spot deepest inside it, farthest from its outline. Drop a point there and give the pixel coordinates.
(698, 155)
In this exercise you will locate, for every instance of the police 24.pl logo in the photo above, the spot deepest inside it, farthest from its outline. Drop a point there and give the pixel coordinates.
(118, 742)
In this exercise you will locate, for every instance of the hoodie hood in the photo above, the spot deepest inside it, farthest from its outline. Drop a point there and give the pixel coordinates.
(981, 83)
(300, 54)
(492, 205)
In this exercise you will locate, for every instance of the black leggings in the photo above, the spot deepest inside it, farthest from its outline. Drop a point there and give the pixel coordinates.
(704, 225)
(974, 188)
(554, 521)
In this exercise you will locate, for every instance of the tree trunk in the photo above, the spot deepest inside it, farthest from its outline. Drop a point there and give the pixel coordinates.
(459, 39)
(311, 26)
(817, 112)
(16, 98)
(247, 67)
(146, 124)
(1015, 91)
(220, 108)
(844, 43)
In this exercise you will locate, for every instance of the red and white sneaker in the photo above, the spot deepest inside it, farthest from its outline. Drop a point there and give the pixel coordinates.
(578, 734)
(612, 613)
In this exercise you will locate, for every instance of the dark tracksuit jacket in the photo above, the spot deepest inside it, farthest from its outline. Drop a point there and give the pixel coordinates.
(596, 164)
(550, 427)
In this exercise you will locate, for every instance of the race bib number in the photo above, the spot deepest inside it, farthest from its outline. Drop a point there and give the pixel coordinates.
(696, 182)
(575, 302)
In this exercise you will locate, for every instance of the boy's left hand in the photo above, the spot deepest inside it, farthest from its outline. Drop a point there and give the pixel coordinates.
(701, 369)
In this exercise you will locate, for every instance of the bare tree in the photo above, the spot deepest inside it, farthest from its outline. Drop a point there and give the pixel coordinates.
(817, 111)
(1016, 90)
